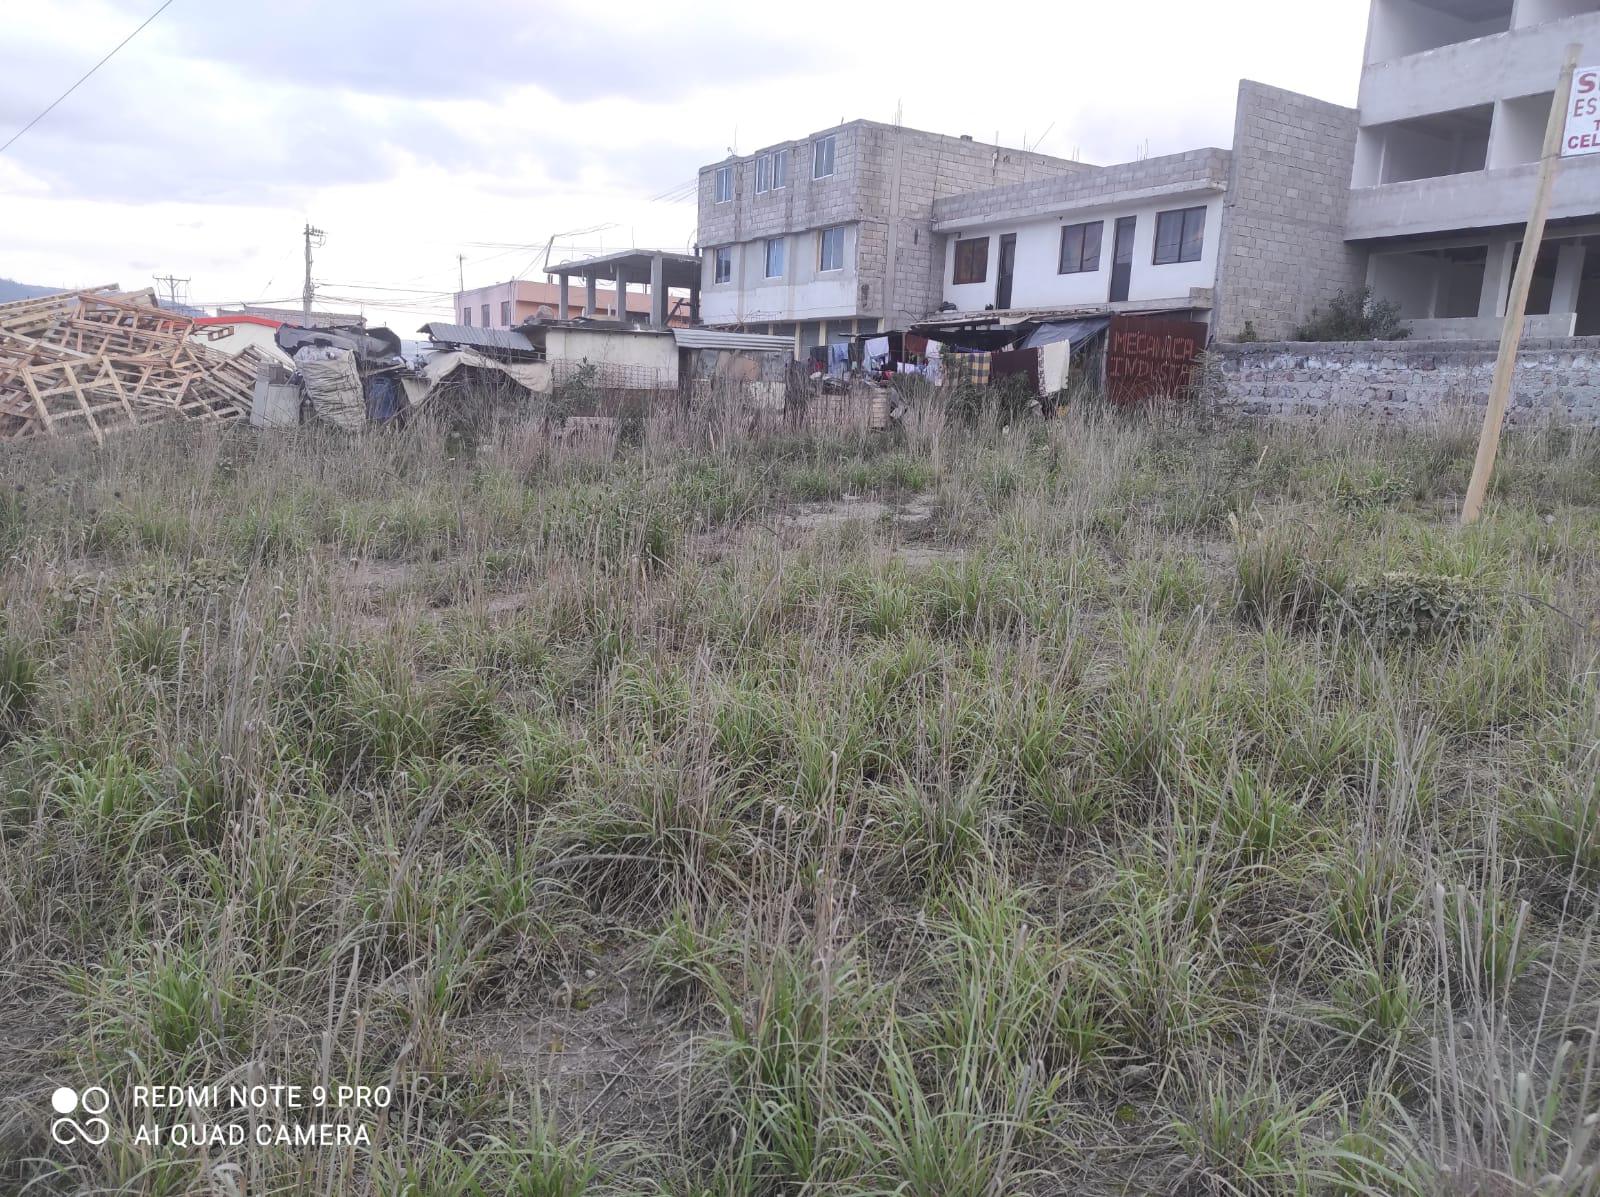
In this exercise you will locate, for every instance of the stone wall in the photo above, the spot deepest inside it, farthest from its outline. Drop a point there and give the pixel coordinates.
(1406, 381)
(1283, 250)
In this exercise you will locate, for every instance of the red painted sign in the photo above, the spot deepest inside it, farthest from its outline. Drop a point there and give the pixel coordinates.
(1150, 357)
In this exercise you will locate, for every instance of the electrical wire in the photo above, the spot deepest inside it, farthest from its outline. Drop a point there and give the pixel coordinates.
(165, 5)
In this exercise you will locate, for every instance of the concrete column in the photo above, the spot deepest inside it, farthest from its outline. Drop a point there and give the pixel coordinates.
(658, 291)
(1569, 277)
(694, 303)
(588, 295)
(565, 288)
(622, 296)
(1496, 280)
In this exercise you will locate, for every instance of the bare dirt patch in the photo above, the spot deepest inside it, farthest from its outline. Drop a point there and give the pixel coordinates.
(813, 517)
(598, 1047)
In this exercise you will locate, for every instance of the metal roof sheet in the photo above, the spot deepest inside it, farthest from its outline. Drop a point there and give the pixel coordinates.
(709, 338)
(506, 340)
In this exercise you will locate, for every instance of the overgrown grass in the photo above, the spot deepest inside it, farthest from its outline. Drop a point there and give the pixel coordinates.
(1116, 804)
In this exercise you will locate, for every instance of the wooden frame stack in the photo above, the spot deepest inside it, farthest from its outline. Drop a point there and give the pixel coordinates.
(90, 362)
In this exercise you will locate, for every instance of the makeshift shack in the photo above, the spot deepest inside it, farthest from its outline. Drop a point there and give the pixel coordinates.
(350, 376)
(465, 359)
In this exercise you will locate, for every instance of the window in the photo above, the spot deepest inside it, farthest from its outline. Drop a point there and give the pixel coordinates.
(485, 315)
(772, 171)
(722, 259)
(724, 184)
(1080, 248)
(775, 257)
(822, 157)
(505, 313)
(466, 317)
(830, 249)
(1180, 235)
(972, 261)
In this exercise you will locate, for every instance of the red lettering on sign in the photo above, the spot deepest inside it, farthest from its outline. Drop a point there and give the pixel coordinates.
(1150, 357)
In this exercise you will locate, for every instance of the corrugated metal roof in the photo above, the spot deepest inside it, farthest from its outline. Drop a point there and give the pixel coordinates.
(506, 340)
(707, 338)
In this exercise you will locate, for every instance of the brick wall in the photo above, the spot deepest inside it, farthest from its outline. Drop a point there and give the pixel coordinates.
(1407, 380)
(1283, 250)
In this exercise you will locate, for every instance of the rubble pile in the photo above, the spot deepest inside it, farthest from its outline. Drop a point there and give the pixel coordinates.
(90, 362)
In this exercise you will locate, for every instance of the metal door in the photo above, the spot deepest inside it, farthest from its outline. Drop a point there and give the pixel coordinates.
(1008, 264)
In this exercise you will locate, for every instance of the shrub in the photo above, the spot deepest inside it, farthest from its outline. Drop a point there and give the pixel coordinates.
(1401, 606)
(1354, 316)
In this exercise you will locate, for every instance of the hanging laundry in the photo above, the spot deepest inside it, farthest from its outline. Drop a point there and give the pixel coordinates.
(974, 368)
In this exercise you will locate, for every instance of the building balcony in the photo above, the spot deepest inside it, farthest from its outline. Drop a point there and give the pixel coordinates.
(1519, 62)
(1476, 200)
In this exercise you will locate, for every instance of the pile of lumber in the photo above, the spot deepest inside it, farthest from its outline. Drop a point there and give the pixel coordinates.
(90, 362)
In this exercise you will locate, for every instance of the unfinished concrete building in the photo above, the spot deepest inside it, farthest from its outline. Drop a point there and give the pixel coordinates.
(1455, 96)
(831, 235)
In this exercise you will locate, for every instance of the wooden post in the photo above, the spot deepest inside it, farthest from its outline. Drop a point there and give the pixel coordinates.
(1517, 305)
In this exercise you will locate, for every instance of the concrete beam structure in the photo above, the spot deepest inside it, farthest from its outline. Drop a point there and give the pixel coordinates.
(662, 271)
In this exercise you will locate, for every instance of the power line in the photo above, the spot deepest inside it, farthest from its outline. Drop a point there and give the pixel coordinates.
(90, 71)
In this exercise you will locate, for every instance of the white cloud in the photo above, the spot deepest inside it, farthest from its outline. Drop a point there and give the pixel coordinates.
(410, 130)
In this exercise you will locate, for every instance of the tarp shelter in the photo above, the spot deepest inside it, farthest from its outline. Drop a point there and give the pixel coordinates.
(455, 366)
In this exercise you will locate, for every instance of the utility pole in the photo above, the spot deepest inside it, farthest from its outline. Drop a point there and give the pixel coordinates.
(314, 240)
(171, 284)
(461, 272)
(1517, 303)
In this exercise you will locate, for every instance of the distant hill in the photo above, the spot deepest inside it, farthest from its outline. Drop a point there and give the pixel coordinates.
(11, 289)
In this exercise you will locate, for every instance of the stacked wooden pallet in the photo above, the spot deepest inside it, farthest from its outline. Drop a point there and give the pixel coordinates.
(90, 362)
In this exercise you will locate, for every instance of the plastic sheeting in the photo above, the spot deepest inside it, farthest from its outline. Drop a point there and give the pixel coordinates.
(1074, 332)
(333, 385)
(534, 377)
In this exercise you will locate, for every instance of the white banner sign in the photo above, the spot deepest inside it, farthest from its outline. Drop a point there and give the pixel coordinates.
(1582, 135)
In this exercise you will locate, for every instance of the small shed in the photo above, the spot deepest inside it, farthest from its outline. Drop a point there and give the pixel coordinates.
(756, 363)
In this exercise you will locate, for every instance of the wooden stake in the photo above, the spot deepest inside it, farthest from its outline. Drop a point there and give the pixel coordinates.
(1517, 305)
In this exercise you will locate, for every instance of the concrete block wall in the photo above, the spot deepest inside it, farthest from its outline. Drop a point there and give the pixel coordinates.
(931, 166)
(1407, 381)
(885, 181)
(802, 203)
(1088, 186)
(1283, 250)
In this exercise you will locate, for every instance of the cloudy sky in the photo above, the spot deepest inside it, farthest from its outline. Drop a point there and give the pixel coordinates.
(414, 132)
